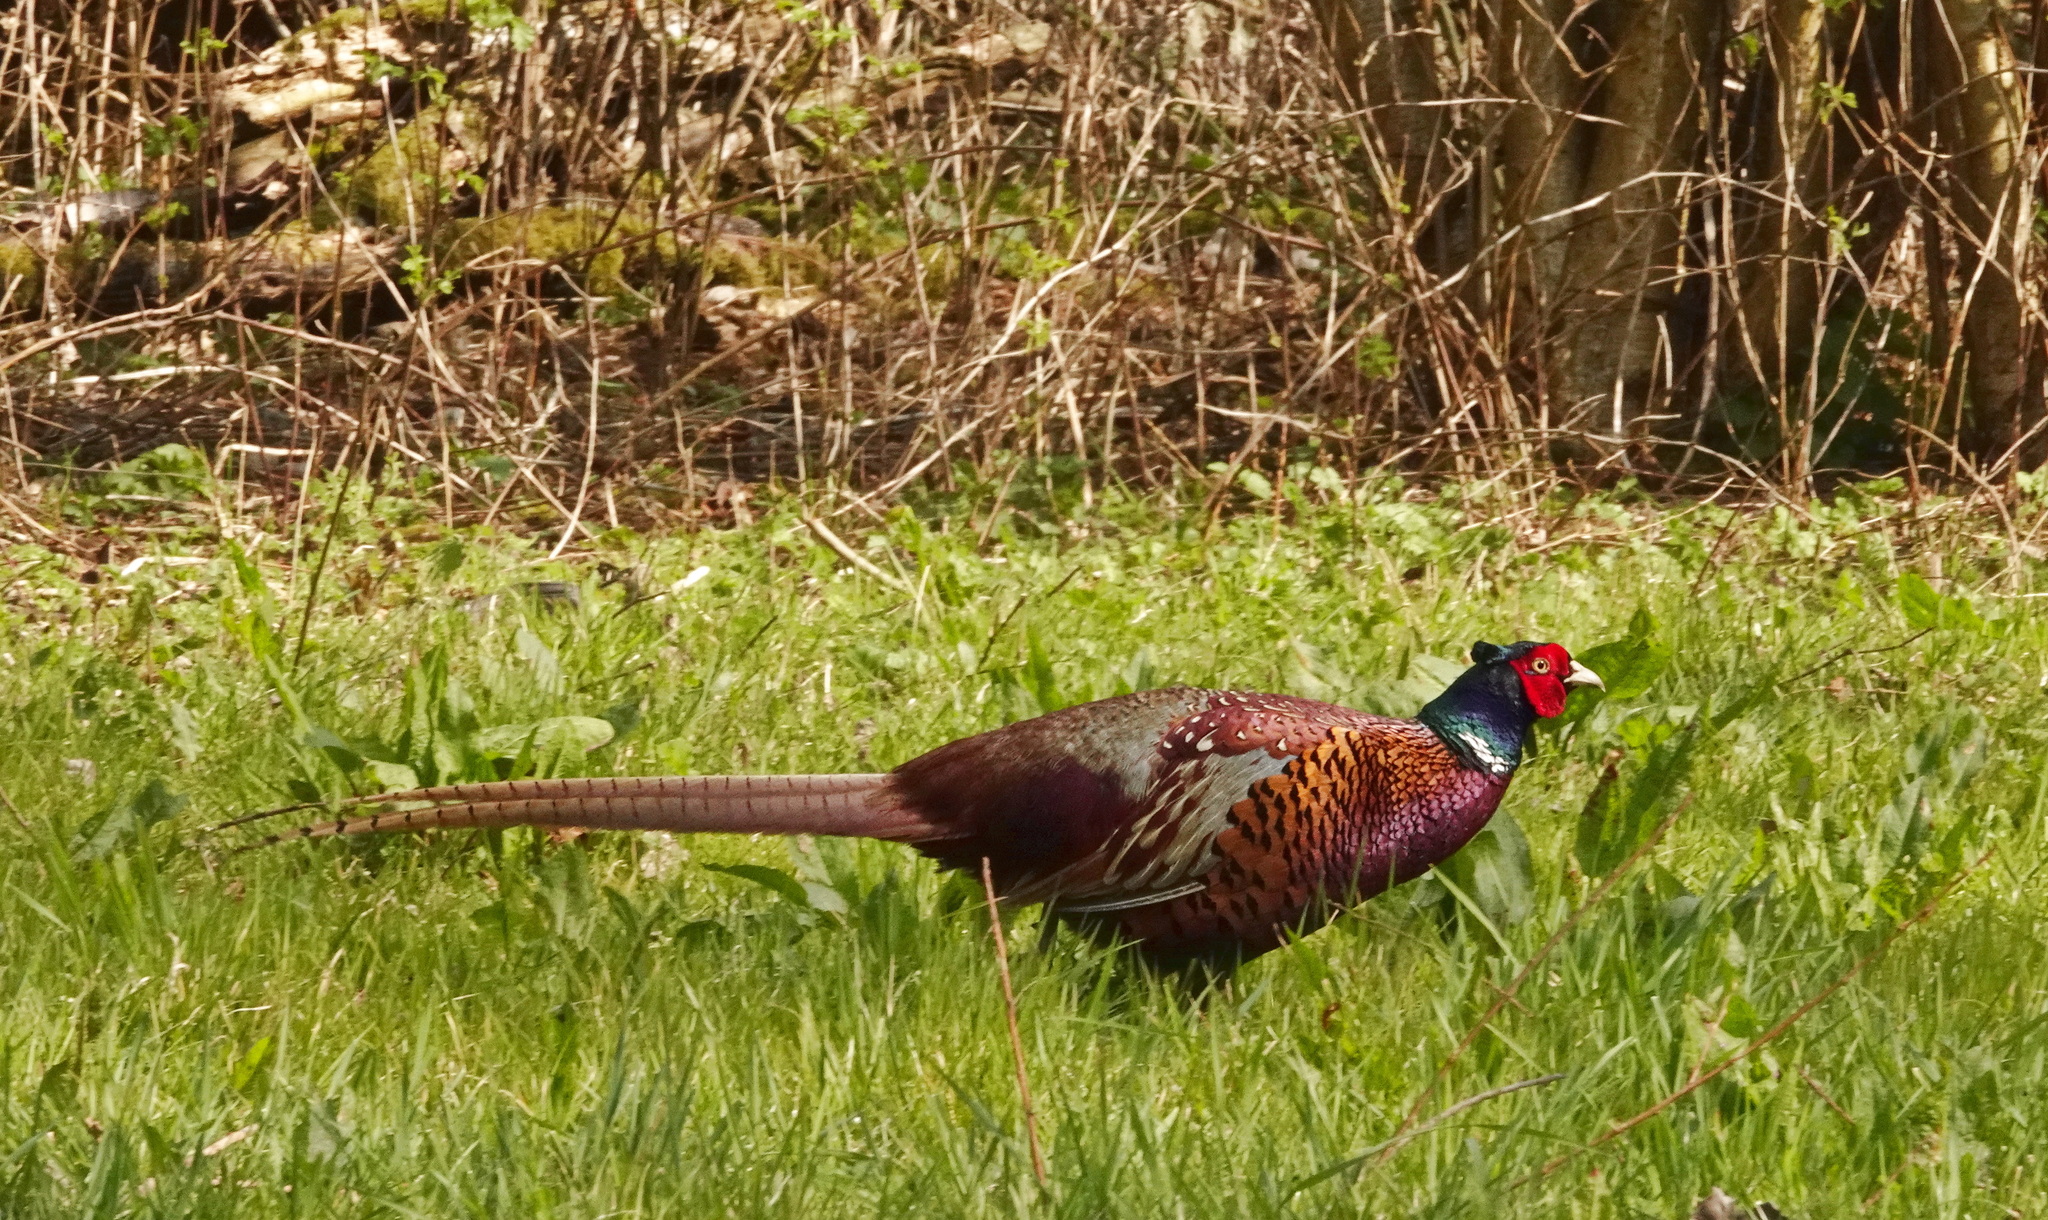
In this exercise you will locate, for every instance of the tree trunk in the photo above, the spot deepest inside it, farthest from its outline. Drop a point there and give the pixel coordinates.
(1385, 54)
(1540, 150)
(1981, 108)
(1622, 261)
(1780, 289)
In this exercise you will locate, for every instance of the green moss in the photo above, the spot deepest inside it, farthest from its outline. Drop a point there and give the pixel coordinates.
(565, 235)
(754, 262)
(331, 141)
(21, 273)
(557, 235)
(425, 161)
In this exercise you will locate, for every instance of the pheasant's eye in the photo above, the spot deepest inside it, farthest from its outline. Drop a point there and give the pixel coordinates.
(1539, 666)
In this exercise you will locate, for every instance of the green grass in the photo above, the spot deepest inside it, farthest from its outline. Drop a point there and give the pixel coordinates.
(490, 1026)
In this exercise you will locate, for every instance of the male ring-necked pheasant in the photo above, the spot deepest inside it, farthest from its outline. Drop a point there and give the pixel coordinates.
(1199, 824)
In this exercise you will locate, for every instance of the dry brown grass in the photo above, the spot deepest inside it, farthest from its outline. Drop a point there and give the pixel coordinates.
(592, 258)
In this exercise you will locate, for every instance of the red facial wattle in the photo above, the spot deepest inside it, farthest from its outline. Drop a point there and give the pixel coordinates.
(1543, 671)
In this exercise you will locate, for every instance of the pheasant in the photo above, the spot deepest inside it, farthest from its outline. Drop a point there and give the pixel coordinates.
(1199, 825)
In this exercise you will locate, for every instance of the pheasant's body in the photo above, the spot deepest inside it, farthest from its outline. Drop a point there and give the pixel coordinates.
(1197, 823)
(1210, 822)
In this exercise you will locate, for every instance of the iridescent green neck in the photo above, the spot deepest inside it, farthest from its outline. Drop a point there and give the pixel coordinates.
(1482, 718)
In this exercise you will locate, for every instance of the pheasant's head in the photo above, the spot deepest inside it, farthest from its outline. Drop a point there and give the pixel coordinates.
(1487, 710)
(1547, 672)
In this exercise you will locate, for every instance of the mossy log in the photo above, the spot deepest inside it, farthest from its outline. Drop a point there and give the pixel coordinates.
(107, 276)
(607, 252)
(630, 249)
(299, 260)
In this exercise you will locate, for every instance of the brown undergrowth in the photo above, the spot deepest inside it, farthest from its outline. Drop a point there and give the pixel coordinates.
(552, 254)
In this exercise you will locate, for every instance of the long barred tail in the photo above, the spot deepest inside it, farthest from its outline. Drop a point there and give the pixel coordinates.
(857, 805)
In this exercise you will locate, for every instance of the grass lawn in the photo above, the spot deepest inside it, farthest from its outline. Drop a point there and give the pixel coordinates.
(500, 1025)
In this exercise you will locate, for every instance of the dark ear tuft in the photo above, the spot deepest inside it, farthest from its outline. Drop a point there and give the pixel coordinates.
(1484, 653)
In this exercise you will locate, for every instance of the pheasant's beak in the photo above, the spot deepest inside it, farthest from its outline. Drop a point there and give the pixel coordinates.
(1581, 676)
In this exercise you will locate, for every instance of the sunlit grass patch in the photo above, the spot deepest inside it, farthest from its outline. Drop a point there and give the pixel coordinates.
(727, 1026)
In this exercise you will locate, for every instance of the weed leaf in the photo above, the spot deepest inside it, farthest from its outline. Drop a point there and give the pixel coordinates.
(1629, 667)
(122, 822)
(1927, 610)
(1492, 871)
(771, 878)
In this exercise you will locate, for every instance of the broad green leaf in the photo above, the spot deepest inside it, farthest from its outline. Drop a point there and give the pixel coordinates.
(623, 717)
(394, 777)
(1919, 602)
(1941, 761)
(827, 886)
(493, 917)
(1435, 671)
(503, 738)
(585, 733)
(1601, 823)
(1493, 871)
(1927, 610)
(1260, 487)
(1426, 677)
(547, 667)
(123, 822)
(824, 898)
(1038, 677)
(555, 735)
(771, 878)
(343, 754)
(321, 737)
(1629, 667)
(1740, 1020)
(447, 557)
